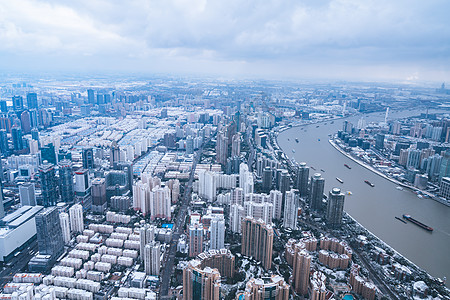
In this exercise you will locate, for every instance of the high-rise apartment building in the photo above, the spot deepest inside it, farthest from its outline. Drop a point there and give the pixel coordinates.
(276, 198)
(195, 239)
(236, 145)
(291, 209)
(49, 233)
(160, 203)
(17, 102)
(245, 179)
(66, 180)
(301, 180)
(273, 288)
(49, 185)
(82, 188)
(200, 284)
(114, 156)
(217, 233)
(152, 256)
(65, 226)
(335, 208)
(222, 148)
(316, 192)
(257, 240)
(146, 236)
(32, 101)
(76, 218)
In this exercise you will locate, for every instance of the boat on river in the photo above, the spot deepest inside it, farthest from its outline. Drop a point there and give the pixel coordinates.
(340, 180)
(369, 183)
(418, 223)
(347, 166)
(401, 220)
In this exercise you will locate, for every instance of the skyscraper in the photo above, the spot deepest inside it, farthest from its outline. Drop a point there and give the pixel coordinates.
(146, 236)
(301, 180)
(257, 241)
(76, 218)
(49, 233)
(49, 185)
(284, 182)
(195, 240)
(189, 144)
(4, 149)
(48, 153)
(66, 180)
(290, 209)
(98, 191)
(267, 179)
(217, 230)
(65, 226)
(91, 98)
(200, 284)
(114, 156)
(300, 271)
(25, 121)
(82, 188)
(316, 192)
(335, 208)
(379, 141)
(160, 203)
(152, 262)
(236, 145)
(222, 148)
(17, 102)
(27, 194)
(88, 158)
(32, 101)
(17, 139)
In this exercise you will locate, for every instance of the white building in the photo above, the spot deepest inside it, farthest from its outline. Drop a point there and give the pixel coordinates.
(160, 203)
(152, 256)
(146, 235)
(76, 218)
(217, 230)
(237, 213)
(245, 179)
(65, 226)
(276, 198)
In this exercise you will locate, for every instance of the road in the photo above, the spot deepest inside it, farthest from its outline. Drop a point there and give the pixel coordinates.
(180, 218)
(18, 264)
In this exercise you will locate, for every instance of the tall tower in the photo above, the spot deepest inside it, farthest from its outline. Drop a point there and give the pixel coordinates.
(32, 101)
(335, 208)
(49, 185)
(257, 241)
(222, 148)
(76, 218)
(267, 179)
(217, 229)
(65, 226)
(49, 233)
(300, 271)
(195, 240)
(88, 158)
(66, 180)
(236, 145)
(98, 190)
(146, 236)
(301, 180)
(17, 102)
(152, 256)
(17, 138)
(316, 192)
(82, 188)
(291, 209)
(114, 157)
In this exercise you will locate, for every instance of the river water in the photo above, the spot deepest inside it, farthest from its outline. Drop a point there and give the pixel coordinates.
(376, 207)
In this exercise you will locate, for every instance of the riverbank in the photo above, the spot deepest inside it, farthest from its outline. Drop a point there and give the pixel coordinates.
(381, 174)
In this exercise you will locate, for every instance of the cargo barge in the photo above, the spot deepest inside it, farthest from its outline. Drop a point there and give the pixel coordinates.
(418, 223)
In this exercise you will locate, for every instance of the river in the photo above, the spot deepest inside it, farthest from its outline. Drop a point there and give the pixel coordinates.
(376, 207)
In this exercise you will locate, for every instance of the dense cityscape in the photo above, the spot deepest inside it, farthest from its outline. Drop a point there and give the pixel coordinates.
(166, 187)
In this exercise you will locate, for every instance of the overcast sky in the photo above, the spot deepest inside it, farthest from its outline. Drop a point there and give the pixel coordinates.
(335, 39)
